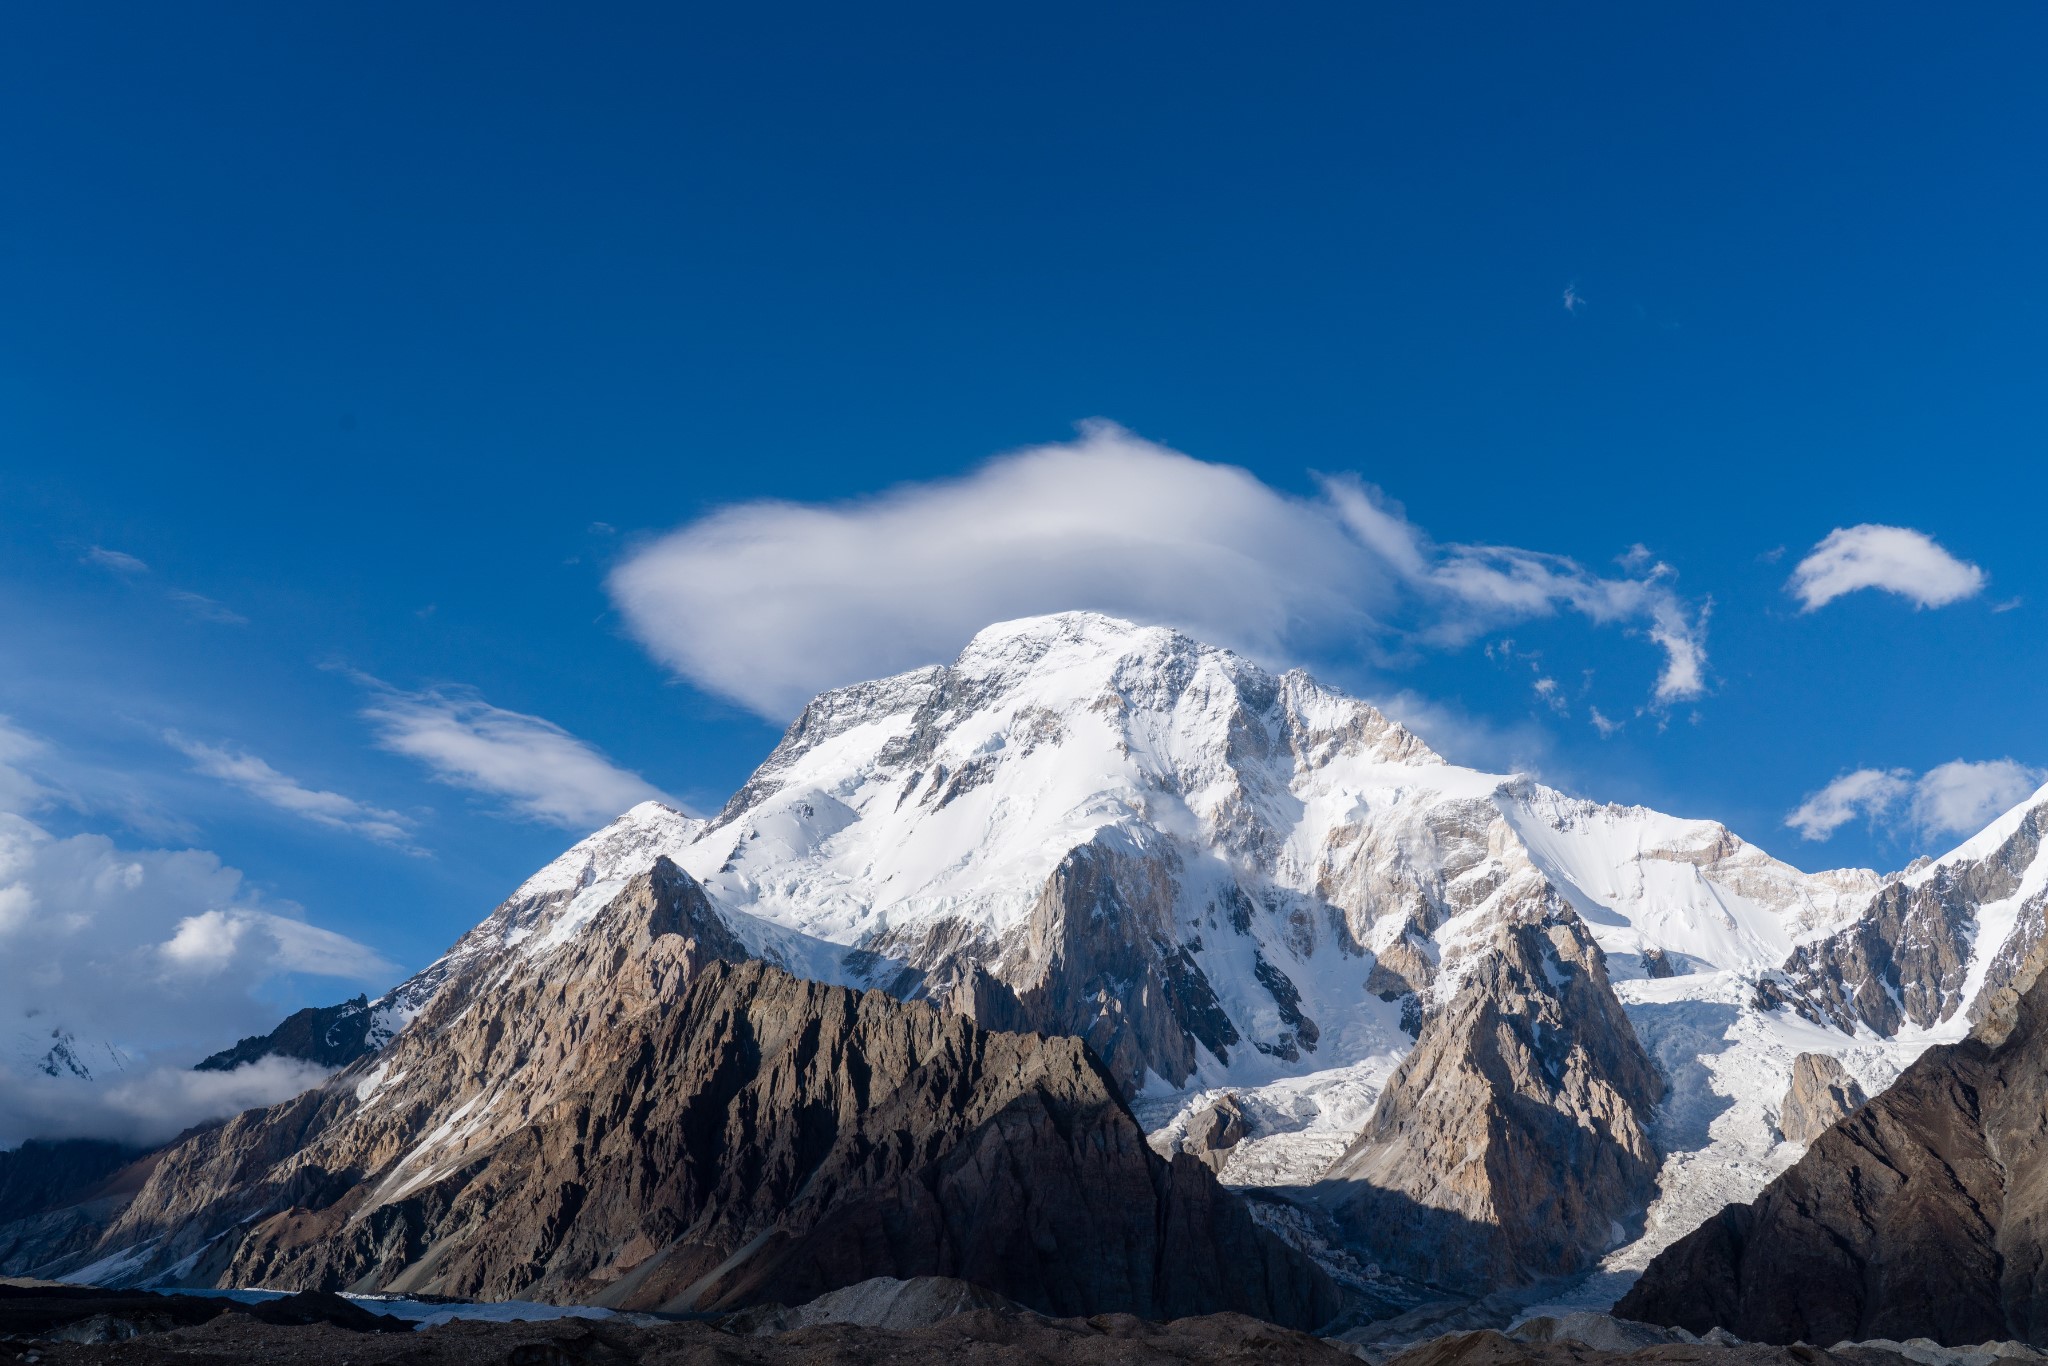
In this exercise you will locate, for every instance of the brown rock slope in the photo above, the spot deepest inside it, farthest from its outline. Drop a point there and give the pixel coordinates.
(1923, 1214)
(1512, 1142)
(1822, 1092)
(625, 1117)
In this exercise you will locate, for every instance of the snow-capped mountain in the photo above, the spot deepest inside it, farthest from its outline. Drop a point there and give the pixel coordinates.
(41, 1050)
(1235, 882)
(1276, 845)
(1248, 891)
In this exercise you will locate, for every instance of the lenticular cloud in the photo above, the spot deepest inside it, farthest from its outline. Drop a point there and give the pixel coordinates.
(770, 602)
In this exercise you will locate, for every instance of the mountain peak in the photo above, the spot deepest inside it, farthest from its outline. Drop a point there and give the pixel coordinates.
(1031, 638)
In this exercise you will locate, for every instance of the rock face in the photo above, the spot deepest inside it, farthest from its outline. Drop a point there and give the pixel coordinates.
(1924, 1214)
(1822, 1092)
(57, 1199)
(337, 1035)
(1512, 1142)
(40, 1176)
(329, 1036)
(1906, 961)
(632, 1116)
(1214, 1131)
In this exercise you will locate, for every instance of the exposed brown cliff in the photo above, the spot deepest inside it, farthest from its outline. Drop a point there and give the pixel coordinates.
(630, 1117)
(1512, 1143)
(1822, 1092)
(1922, 1214)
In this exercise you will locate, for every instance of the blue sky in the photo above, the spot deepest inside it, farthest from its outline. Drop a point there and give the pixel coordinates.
(346, 350)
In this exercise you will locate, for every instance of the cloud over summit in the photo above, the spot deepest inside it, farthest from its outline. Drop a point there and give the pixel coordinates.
(769, 602)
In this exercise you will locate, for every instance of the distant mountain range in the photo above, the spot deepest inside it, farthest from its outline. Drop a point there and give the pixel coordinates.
(989, 967)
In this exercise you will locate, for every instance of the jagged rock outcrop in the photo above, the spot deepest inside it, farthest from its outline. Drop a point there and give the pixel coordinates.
(1923, 1214)
(635, 1117)
(327, 1036)
(1099, 959)
(1209, 1134)
(1214, 1132)
(1906, 960)
(1821, 1093)
(1512, 1143)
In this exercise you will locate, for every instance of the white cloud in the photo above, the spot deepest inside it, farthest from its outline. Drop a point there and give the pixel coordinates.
(215, 941)
(770, 602)
(160, 956)
(147, 949)
(1955, 798)
(148, 1106)
(1961, 798)
(119, 561)
(542, 771)
(266, 784)
(1867, 792)
(1896, 559)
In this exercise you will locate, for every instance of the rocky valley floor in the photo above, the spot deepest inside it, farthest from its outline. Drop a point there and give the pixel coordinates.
(883, 1321)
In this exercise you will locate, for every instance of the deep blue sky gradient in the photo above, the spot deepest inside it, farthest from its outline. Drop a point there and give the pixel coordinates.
(357, 317)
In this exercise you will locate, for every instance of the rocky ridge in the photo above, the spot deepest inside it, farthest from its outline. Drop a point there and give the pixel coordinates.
(1922, 1214)
(1534, 1085)
(641, 1115)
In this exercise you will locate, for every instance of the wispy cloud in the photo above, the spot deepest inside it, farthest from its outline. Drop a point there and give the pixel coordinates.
(203, 608)
(20, 789)
(195, 605)
(1895, 559)
(539, 770)
(1956, 798)
(331, 809)
(119, 561)
(769, 602)
(1573, 300)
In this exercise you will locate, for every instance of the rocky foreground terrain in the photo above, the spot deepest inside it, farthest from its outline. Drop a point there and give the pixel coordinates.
(873, 1322)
